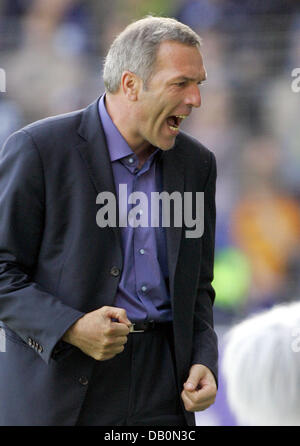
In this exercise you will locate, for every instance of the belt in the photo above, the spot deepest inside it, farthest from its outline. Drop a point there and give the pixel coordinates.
(141, 327)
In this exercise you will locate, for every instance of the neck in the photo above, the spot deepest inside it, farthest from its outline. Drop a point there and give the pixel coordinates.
(122, 115)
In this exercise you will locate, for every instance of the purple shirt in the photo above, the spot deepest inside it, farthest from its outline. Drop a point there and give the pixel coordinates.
(142, 290)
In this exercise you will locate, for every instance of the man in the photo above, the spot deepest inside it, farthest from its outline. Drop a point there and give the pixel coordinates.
(110, 324)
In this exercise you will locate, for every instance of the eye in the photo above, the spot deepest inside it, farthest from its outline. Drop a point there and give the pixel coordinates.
(181, 84)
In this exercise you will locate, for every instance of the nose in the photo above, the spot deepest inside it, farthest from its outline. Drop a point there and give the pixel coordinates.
(193, 96)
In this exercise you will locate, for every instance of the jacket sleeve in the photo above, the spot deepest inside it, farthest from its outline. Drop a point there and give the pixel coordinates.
(205, 345)
(28, 309)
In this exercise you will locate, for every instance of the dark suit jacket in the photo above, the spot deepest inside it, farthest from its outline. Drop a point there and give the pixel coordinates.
(56, 263)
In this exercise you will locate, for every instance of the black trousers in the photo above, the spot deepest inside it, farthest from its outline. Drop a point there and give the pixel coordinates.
(137, 387)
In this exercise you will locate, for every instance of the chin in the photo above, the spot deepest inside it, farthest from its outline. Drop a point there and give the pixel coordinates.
(166, 145)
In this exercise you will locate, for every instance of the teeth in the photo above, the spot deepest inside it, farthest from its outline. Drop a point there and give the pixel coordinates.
(181, 116)
(173, 128)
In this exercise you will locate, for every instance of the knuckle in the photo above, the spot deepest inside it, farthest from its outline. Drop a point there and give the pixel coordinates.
(189, 406)
(120, 349)
(205, 406)
(213, 390)
(104, 341)
(107, 331)
(123, 340)
(104, 356)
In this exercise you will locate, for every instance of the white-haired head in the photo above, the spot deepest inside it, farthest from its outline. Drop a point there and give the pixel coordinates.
(135, 48)
(261, 365)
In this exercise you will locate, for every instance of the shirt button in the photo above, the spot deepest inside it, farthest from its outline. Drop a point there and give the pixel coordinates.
(144, 288)
(142, 251)
(83, 380)
(131, 160)
(115, 271)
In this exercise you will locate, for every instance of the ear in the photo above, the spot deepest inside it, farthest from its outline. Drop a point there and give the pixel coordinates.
(130, 84)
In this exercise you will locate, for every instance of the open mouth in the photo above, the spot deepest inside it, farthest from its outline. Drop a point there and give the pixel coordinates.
(174, 122)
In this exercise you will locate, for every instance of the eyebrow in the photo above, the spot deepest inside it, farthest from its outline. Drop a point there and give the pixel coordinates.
(184, 78)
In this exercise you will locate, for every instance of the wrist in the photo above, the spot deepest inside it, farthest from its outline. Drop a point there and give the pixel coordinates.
(71, 335)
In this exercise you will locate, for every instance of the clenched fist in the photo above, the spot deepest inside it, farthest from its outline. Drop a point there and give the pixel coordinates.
(97, 335)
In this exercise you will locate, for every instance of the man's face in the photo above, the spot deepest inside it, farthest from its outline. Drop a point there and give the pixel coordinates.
(171, 93)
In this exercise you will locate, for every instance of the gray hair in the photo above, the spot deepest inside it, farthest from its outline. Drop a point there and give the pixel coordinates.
(261, 366)
(135, 48)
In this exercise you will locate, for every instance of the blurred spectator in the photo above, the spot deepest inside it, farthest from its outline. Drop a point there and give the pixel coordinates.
(265, 222)
(71, 18)
(281, 111)
(261, 366)
(50, 64)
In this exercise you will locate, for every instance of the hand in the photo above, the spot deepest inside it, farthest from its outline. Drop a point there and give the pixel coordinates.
(200, 389)
(97, 336)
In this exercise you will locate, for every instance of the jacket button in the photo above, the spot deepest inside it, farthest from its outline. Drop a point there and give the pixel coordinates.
(115, 271)
(83, 380)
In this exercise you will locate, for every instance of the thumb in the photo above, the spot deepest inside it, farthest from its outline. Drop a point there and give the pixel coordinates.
(119, 314)
(193, 380)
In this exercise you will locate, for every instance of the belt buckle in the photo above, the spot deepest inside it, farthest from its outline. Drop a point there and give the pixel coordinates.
(132, 329)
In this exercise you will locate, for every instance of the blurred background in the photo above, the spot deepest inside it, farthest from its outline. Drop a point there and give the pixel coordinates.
(52, 52)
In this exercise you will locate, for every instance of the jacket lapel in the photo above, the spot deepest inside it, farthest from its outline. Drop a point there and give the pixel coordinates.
(95, 154)
(173, 180)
